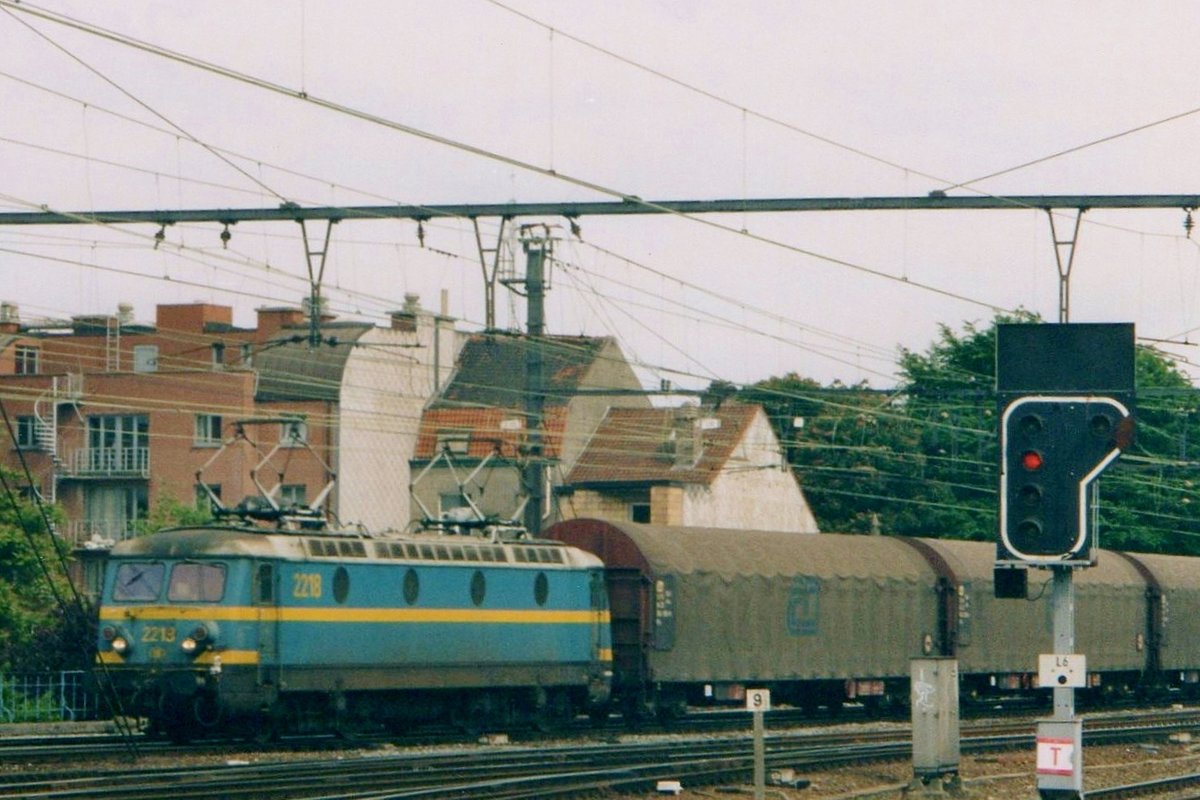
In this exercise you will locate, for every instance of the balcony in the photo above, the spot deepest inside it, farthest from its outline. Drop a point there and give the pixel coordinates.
(108, 462)
(100, 532)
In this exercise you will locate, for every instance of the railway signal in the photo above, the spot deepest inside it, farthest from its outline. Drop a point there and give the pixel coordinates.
(1053, 449)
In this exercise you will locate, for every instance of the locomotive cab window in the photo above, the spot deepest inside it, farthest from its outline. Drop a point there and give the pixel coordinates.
(139, 581)
(197, 583)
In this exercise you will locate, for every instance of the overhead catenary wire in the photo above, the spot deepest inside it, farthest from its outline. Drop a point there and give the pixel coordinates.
(475, 150)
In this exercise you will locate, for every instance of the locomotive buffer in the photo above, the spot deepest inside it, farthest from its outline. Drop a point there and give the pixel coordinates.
(1066, 395)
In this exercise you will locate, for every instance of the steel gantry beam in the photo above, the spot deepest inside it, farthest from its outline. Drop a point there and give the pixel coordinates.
(630, 205)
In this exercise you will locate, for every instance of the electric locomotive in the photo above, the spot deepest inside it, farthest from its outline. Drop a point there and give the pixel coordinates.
(246, 629)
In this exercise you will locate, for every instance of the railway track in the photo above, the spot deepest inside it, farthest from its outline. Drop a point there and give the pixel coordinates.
(522, 772)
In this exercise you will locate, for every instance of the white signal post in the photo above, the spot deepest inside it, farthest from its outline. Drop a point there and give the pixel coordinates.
(758, 701)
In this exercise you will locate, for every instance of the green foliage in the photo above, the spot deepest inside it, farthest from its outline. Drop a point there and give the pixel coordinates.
(31, 574)
(923, 459)
(171, 513)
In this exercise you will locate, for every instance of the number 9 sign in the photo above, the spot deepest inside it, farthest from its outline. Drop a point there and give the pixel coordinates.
(758, 699)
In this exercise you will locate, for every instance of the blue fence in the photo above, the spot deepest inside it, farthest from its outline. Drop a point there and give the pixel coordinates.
(47, 697)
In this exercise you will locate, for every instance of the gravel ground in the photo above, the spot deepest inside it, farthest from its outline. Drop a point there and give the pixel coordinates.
(999, 776)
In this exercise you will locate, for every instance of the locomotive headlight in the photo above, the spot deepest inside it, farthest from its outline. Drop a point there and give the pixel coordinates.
(120, 644)
(199, 639)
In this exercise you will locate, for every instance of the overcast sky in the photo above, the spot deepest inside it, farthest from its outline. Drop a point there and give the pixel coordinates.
(662, 100)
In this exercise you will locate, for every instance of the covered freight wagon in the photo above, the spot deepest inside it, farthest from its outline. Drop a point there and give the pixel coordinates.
(698, 614)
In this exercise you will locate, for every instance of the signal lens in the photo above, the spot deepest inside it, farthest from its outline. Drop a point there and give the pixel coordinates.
(1030, 529)
(1031, 460)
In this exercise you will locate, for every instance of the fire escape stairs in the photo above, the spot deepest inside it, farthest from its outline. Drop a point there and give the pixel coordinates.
(65, 390)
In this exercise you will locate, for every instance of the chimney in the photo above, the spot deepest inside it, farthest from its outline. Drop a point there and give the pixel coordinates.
(273, 320)
(406, 318)
(187, 317)
(683, 435)
(10, 318)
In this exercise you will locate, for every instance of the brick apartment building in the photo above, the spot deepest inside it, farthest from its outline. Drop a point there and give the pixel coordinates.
(112, 416)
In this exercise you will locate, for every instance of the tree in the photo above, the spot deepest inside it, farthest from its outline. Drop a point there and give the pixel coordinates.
(850, 447)
(922, 459)
(169, 513)
(34, 629)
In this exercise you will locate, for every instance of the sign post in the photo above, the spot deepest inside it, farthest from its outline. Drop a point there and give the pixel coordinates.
(758, 701)
(1065, 394)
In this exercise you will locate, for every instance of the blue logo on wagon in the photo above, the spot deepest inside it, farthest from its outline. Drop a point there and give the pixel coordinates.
(804, 606)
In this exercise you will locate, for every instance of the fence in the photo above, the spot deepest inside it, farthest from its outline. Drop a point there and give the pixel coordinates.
(47, 697)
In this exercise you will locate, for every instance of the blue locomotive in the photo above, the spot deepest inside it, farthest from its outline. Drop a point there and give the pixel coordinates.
(239, 627)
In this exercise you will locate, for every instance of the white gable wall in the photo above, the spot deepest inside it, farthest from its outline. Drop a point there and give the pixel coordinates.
(755, 490)
(384, 389)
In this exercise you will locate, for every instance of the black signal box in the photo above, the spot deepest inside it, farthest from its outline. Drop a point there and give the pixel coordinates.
(1065, 358)
(1065, 397)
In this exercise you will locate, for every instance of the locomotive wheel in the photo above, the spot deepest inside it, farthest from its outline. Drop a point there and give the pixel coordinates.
(599, 715)
(554, 714)
(471, 716)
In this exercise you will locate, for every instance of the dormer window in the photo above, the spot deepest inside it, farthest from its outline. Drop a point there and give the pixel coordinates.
(456, 441)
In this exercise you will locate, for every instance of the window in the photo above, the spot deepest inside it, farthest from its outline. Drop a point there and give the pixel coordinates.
(28, 360)
(145, 358)
(293, 433)
(412, 586)
(247, 354)
(27, 433)
(292, 495)
(199, 583)
(478, 588)
(206, 500)
(218, 354)
(639, 512)
(449, 505)
(341, 585)
(208, 430)
(118, 443)
(112, 509)
(138, 581)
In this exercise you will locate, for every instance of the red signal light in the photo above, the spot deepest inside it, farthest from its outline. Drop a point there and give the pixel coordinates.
(1031, 460)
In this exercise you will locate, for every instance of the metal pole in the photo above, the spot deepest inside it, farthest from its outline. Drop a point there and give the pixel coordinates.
(760, 758)
(1062, 599)
(535, 287)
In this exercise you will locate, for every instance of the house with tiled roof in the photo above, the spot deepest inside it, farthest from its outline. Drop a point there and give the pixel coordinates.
(716, 467)
(475, 436)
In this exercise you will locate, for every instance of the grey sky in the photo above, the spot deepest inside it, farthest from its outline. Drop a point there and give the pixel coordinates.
(918, 95)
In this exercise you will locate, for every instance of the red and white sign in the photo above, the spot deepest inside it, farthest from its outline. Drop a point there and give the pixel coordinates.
(1055, 756)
